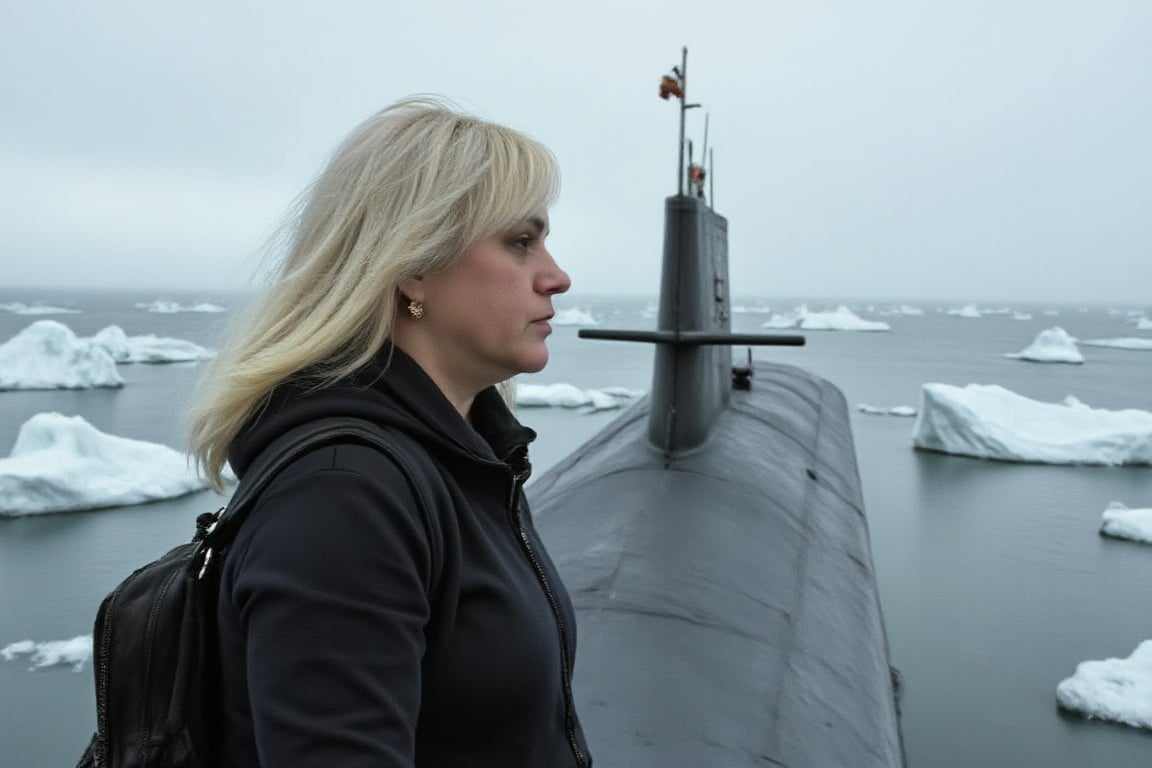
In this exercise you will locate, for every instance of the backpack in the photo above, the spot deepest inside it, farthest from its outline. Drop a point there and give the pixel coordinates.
(154, 644)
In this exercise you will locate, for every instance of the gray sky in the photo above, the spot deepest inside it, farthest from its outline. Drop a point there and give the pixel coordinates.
(917, 149)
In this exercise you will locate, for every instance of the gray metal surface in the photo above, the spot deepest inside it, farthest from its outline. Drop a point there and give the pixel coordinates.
(727, 608)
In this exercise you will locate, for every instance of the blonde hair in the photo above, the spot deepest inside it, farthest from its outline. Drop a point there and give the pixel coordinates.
(404, 194)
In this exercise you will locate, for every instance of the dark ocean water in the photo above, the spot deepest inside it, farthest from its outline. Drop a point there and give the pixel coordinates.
(994, 581)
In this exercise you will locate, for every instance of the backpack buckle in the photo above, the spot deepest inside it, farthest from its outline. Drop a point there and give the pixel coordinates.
(204, 565)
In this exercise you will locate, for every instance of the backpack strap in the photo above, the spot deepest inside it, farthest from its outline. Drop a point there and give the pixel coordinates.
(218, 533)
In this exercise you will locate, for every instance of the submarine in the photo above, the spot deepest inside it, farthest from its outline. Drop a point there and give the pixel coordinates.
(714, 542)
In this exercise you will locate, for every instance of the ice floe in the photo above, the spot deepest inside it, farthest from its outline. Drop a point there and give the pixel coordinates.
(1051, 345)
(1113, 689)
(574, 316)
(1120, 343)
(991, 422)
(564, 395)
(968, 310)
(1123, 523)
(1144, 324)
(48, 355)
(51, 653)
(147, 349)
(17, 308)
(1021, 315)
(876, 410)
(62, 463)
(166, 307)
(840, 319)
(749, 309)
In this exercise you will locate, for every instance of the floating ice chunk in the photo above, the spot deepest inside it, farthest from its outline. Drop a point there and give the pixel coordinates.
(896, 410)
(1052, 312)
(1112, 689)
(1021, 315)
(166, 307)
(1052, 345)
(747, 309)
(1144, 324)
(148, 349)
(1124, 523)
(968, 310)
(569, 396)
(17, 308)
(47, 355)
(62, 463)
(574, 316)
(51, 653)
(1122, 343)
(839, 319)
(991, 422)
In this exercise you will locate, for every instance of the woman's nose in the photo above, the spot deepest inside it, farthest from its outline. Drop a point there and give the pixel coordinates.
(555, 280)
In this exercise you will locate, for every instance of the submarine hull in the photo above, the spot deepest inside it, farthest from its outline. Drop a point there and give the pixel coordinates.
(726, 602)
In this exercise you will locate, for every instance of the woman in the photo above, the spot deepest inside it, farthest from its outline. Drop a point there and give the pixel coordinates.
(359, 626)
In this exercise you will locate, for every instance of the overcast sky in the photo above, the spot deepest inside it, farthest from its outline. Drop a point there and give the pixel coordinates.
(916, 149)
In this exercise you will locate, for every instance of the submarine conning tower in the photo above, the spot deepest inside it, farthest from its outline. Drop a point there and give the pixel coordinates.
(693, 375)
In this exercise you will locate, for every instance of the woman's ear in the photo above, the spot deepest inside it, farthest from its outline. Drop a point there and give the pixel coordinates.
(412, 289)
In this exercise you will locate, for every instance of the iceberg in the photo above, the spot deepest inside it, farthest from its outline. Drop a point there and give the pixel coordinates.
(896, 410)
(47, 355)
(839, 319)
(991, 422)
(968, 310)
(165, 307)
(17, 308)
(1113, 689)
(569, 396)
(1052, 345)
(1021, 315)
(62, 463)
(76, 652)
(147, 349)
(1121, 343)
(1144, 324)
(574, 316)
(1121, 522)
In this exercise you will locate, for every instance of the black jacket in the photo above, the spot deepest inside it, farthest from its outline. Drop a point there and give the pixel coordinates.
(356, 630)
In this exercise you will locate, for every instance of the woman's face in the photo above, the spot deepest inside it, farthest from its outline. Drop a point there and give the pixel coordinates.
(486, 317)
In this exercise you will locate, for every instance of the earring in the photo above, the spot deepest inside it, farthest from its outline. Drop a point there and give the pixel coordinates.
(416, 309)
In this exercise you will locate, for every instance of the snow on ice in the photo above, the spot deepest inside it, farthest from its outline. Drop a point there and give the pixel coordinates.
(47, 355)
(1120, 343)
(1113, 689)
(1052, 345)
(569, 396)
(147, 349)
(896, 410)
(991, 422)
(839, 319)
(17, 308)
(51, 653)
(1123, 523)
(574, 316)
(62, 463)
(166, 307)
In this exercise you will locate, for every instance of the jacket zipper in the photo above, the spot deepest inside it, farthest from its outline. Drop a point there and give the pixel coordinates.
(103, 657)
(565, 672)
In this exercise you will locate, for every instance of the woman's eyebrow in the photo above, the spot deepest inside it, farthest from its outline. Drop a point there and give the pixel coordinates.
(538, 223)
